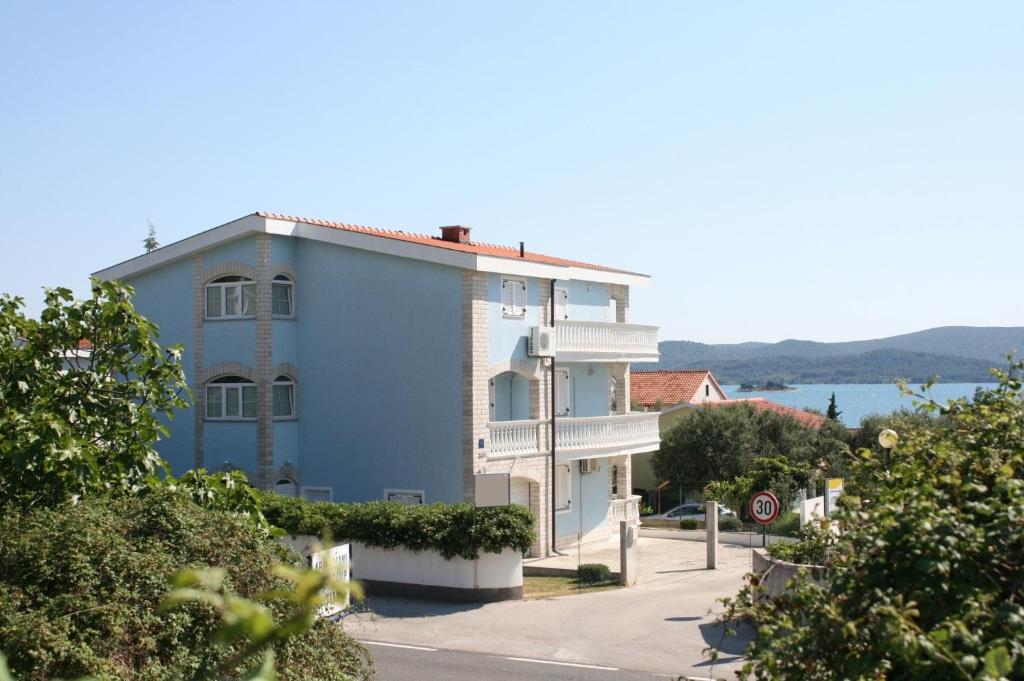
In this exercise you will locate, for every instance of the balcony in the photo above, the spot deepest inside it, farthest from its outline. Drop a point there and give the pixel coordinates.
(627, 509)
(577, 438)
(605, 342)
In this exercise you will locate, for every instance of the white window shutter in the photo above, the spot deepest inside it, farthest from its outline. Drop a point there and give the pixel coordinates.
(519, 298)
(506, 296)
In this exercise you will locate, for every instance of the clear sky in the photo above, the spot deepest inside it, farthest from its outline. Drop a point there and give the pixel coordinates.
(783, 170)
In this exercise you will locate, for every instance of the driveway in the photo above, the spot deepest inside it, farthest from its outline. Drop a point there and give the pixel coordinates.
(661, 626)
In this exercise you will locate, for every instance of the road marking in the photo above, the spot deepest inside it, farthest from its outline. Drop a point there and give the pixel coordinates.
(563, 664)
(400, 645)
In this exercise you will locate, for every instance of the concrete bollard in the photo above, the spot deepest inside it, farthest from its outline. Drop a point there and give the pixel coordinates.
(629, 557)
(711, 525)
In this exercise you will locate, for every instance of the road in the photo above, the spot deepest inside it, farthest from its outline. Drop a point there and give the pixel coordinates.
(417, 663)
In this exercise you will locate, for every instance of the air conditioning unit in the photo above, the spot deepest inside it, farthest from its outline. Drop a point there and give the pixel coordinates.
(589, 466)
(542, 341)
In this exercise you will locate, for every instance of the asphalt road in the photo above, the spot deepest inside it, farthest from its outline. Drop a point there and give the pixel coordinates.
(417, 663)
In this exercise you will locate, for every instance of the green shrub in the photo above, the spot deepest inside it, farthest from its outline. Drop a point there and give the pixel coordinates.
(688, 524)
(80, 586)
(729, 523)
(809, 550)
(925, 581)
(786, 525)
(593, 573)
(450, 529)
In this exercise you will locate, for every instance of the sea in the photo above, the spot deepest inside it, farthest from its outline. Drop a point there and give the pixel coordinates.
(857, 400)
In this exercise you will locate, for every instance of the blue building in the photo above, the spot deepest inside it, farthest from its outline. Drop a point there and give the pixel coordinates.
(348, 363)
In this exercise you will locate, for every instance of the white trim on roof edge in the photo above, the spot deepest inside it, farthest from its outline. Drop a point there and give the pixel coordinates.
(254, 224)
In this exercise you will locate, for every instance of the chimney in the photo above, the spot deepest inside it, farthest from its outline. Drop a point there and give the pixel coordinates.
(456, 233)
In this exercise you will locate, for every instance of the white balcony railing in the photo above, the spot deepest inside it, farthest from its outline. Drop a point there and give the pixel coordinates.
(605, 341)
(577, 438)
(627, 509)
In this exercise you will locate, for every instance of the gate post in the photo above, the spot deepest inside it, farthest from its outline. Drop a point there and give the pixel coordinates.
(711, 529)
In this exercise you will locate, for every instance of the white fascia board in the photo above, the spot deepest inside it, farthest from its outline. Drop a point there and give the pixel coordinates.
(181, 249)
(541, 270)
(252, 224)
(369, 242)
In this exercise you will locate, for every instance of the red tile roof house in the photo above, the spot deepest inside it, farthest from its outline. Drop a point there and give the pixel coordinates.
(674, 393)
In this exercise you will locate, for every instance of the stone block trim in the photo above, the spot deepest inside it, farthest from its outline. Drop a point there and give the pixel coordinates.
(229, 268)
(286, 369)
(530, 368)
(228, 369)
(264, 368)
(198, 373)
(620, 293)
(475, 387)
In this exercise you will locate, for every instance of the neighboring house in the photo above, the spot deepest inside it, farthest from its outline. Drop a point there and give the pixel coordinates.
(350, 363)
(674, 393)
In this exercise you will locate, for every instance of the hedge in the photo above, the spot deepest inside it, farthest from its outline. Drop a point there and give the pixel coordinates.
(593, 573)
(450, 529)
(80, 587)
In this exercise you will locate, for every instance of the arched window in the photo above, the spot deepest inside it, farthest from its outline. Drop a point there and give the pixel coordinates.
(286, 487)
(231, 398)
(283, 296)
(284, 397)
(231, 297)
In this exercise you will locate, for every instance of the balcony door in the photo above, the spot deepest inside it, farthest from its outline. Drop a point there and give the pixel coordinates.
(563, 393)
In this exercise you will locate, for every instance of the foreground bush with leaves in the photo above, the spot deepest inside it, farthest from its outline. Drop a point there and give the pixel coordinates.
(81, 586)
(927, 580)
(461, 530)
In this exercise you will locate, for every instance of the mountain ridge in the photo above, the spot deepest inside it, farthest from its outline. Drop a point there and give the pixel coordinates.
(955, 353)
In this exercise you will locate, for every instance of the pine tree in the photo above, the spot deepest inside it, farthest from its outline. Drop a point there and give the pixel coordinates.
(150, 243)
(833, 412)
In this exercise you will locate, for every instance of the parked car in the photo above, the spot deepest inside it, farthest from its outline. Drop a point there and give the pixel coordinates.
(692, 511)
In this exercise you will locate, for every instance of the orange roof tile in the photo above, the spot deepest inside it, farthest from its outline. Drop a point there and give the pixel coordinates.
(650, 388)
(805, 418)
(436, 241)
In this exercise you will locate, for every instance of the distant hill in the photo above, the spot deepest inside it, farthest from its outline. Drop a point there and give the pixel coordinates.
(955, 353)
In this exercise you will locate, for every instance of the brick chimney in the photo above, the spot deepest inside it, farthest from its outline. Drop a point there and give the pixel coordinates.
(456, 233)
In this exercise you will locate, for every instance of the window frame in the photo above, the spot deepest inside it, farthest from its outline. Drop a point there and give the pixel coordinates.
(238, 283)
(223, 387)
(510, 311)
(289, 382)
(316, 488)
(283, 280)
(411, 492)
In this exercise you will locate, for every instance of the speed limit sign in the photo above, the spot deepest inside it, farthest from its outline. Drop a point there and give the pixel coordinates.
(764, 507)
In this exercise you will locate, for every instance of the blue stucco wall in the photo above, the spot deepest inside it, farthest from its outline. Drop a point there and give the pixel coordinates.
(164, 296)
(380, 364)
(588, 301)
(589, 502)
(508, 336)
(240, 250)
(589, 382)
(232, 442)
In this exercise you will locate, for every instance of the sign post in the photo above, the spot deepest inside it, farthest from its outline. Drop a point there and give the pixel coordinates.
(764, 509)
(833, 490)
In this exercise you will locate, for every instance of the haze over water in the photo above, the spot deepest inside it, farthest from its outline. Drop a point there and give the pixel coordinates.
(857, 400)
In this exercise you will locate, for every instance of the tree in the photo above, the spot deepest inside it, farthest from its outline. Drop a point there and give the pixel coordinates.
(833, 412)
(150, 243)
(927, 579)
(83, 390)
(721, 443)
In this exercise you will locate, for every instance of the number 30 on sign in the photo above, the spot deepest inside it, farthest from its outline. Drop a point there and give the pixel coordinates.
(764, 507)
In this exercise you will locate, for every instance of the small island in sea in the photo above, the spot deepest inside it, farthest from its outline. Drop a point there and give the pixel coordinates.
(768, 385)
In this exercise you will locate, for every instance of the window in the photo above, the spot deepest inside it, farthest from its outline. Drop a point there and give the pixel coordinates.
(613, 404)
(231, 298)
(411, 497)
(282, 296)
(513, 297)
(284, 398)
(318, 493)
(707, 390)
(231, 397)
(563, 488)
(615, 481)
(286, 488)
